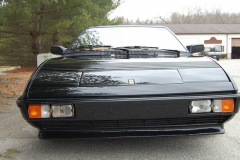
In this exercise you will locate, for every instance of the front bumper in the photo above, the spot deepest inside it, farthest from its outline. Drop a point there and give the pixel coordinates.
(130, 117)
(130, 133)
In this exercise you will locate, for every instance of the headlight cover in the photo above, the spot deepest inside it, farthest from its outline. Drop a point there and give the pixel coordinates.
(62, 110)
(200, 106)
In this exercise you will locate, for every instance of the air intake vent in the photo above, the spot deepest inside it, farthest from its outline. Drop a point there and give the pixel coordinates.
(135, 123)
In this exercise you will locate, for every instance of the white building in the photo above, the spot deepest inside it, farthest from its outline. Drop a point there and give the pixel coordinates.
(225, 35)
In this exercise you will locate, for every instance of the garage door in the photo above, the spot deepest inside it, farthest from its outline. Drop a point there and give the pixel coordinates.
(236, 42)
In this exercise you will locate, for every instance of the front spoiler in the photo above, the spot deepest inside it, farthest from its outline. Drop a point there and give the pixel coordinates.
(91, 134)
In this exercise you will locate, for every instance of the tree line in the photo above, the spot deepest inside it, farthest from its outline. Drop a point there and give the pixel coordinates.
(30, 27)
(195, 16)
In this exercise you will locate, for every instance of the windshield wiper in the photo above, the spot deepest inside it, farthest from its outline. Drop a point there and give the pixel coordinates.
(90, 47)
(135, 47)
(128, 48)
(171, 50)
(94, 46)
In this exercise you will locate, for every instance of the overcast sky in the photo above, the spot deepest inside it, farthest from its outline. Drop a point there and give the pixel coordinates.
(149, 9)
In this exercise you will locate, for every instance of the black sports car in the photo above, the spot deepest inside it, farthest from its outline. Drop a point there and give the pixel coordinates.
(128, 81)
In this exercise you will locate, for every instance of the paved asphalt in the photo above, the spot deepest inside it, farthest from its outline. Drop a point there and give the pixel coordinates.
(16, 134)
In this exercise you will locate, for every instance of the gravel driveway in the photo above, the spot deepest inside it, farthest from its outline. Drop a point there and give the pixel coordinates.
(18, 140)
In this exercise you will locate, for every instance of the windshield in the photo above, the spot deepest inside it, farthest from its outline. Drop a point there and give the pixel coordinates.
(115, 37)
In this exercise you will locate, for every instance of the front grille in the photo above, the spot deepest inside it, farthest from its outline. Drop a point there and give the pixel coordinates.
(133, 123)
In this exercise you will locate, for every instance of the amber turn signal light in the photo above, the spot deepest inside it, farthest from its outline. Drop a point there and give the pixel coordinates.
(34, 111)
(227, 105)
(223, 105)
(39, 111)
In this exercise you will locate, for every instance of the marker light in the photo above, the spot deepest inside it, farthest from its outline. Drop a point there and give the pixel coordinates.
(200, 106)
(223, 105)
(39, 111)
(62, 110)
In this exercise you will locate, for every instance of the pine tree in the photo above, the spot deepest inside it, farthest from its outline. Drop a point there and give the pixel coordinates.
(37, 24)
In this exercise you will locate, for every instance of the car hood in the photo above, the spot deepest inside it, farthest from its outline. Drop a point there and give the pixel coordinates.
(127, 77)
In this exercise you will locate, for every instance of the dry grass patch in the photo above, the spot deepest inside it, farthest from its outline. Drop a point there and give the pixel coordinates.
(13, 84)
(10, 154)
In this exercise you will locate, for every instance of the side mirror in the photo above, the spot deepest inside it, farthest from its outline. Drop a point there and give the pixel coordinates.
(195, 48)
(59, 50)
